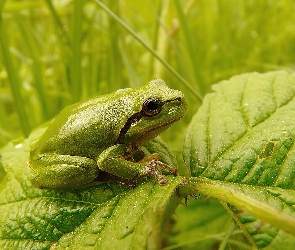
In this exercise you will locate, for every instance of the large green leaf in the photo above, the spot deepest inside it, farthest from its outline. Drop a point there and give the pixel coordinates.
(242, 140)
(107, 216)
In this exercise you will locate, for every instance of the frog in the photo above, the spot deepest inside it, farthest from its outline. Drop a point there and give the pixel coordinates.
(105, 135)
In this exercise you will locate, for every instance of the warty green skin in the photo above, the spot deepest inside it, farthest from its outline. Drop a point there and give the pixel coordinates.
(88, 137)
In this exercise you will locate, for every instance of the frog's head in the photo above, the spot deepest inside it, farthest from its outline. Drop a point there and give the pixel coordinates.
(156, 107)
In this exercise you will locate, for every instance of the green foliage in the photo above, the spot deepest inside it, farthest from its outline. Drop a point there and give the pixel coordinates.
(54, 53)
(106, 216)
(239, 148)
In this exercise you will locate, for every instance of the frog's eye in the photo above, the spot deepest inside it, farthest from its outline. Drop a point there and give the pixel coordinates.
(152, 106)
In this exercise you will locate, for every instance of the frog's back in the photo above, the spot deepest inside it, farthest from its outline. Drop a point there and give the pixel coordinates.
(87, 128)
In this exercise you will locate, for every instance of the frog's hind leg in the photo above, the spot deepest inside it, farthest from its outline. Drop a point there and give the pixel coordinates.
(63, 171)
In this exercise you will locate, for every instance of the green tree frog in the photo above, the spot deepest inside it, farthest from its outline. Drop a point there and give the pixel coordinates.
(105, 134)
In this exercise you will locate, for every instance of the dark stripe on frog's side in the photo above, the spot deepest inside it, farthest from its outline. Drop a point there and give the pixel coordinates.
(131, 120)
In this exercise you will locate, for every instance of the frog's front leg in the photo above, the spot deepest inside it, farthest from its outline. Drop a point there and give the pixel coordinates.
(63, 171)
(113, 162)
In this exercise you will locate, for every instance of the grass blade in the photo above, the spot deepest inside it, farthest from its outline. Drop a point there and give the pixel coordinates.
(14, 83)
(167, 65)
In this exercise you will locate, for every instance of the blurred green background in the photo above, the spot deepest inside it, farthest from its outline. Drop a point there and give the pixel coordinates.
(54, 53)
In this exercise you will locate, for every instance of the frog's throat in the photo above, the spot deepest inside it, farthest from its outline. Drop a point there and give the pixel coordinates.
(135, 118)
(152, 132)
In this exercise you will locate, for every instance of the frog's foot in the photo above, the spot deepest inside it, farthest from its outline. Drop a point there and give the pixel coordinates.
(151, 169)
(155, 159)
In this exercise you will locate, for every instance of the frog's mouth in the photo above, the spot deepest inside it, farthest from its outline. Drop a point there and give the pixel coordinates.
(148, 133)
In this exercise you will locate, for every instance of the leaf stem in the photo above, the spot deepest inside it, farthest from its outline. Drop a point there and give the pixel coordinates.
(240, 196)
